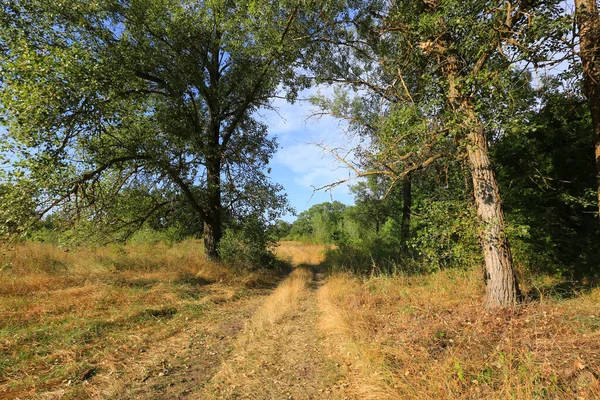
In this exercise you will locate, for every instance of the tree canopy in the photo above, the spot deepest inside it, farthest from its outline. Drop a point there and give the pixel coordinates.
(151, 99)
(143, 113)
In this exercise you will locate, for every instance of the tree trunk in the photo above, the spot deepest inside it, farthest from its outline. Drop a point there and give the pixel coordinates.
(502, 289)
(212, 228)
(501, 285)
(588, 22)
(213, 231)
(212, 237)
(406, 210)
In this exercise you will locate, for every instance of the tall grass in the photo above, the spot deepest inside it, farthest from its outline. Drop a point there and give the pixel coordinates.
(298, 253)
(428, 338)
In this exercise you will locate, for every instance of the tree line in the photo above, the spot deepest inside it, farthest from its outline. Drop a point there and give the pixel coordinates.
(125, 113)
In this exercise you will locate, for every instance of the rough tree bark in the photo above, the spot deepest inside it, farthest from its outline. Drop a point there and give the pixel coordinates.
(502, 289)
(213, 230)
(501, 285)
(212, 226)
(588, 23)
(212, 237)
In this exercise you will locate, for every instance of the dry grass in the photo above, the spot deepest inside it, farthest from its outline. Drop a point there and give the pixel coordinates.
(254, 348)
(285, 298)
(279, 353)
(67, 316)
(427, 338)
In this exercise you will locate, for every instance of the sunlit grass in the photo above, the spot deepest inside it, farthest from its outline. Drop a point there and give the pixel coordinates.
(70, 321)
(428, 337)
(67, 316)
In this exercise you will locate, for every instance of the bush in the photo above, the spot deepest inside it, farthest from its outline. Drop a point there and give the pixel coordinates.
(445, 235)
(171, 235)
(362, 250)
(249, 245)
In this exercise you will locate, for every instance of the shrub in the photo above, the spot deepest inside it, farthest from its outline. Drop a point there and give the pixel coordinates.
(169, 236)
(249, 245)
(445, 235)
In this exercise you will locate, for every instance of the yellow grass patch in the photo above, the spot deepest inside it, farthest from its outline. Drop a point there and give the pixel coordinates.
(284, 299)
(428, 338)
(297, 253)
(66, 317)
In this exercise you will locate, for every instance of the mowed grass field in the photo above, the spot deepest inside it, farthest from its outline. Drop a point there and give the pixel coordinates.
(152, 321)
(70, 322)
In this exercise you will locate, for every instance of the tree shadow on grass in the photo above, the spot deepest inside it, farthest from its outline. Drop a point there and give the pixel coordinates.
(563, 290)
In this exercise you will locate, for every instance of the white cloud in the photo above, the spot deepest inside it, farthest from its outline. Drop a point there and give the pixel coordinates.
(312, 166)
(298, 132)
(301, 166)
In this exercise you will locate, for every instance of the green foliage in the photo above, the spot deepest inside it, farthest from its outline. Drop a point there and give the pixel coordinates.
(547, 171)
(363, 250)
(136, 121)
(281, 229)
(17, 208)
(375, 202)
(118, 111)
(430, 73)
(322, 223)
(249, 245)
(445, 235)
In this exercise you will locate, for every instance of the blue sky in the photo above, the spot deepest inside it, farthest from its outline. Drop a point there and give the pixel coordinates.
(299, 165)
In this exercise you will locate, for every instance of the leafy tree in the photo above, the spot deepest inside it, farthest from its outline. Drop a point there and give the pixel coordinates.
(588, 23)
(444, 231)
(16, 208)
(281, 229)
(104, 97)
(371, 208)
(448, 67)
(321, 223)
(546, 171)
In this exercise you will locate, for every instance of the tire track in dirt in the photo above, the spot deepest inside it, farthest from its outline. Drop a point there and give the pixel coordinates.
(178, 367)
(280, 355)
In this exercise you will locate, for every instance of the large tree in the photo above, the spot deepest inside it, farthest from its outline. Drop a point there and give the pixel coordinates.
(108, 95)
(588, 22)
(451, 65)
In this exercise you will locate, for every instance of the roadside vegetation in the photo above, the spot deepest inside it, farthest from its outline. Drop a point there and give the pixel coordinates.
(124, 322)
(406, 337)
(67, 316)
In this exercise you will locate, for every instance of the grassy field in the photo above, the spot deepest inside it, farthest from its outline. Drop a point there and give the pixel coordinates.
(428, 338)
(151, 321)
(69, 319)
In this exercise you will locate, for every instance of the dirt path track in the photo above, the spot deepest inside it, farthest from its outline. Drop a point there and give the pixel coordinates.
(182, 365)
(279, 354)
(261, 347)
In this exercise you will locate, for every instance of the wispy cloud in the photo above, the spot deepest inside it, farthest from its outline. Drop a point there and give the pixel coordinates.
(301, 166)
(312, 166)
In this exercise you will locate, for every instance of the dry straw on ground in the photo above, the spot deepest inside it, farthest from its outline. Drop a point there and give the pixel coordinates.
(70, 322)
(428, 338)
(106, 323)
(279, 354)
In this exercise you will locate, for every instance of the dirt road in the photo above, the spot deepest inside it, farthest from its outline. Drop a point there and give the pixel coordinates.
(279, 354)
(261, 347)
